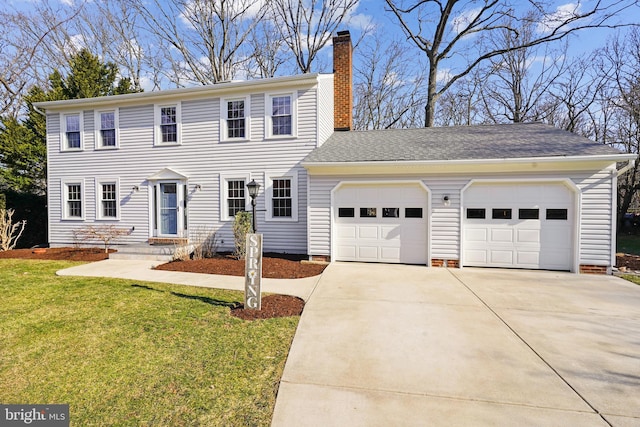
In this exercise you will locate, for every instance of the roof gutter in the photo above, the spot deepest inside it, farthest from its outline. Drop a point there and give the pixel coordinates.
(606, 157)
(630, 164)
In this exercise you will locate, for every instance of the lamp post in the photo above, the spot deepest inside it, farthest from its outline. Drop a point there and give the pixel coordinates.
(253, 188)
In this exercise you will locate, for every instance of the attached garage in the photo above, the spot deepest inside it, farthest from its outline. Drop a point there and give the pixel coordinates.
(381, 223)
(519, 225)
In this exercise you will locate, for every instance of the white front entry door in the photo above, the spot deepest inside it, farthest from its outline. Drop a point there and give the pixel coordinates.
(381, 223)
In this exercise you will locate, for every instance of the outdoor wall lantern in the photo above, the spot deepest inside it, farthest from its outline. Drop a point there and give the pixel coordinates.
(253, 188)
(446, 200)
(197, 187)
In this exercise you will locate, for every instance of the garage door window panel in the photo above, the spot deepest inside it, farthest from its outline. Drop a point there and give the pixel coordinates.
(391, 212)
(501, 213)
(413, 212)
(557, 214)
(346, 212)
(368, 212)
(529, 214)
(476, 213)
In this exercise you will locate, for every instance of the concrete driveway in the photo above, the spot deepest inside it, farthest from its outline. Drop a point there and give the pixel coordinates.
(393, 345)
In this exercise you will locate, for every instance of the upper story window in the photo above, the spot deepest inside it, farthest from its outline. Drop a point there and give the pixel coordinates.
(72, 130)
(235, 119)
(168, 124)
(281, 115)
(106, 129)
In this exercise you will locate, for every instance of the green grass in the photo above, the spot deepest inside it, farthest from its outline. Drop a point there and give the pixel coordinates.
(135, 353)
(632, 278)
(628, 243)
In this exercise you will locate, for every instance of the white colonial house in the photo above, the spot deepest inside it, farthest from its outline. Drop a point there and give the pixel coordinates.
(165, 164)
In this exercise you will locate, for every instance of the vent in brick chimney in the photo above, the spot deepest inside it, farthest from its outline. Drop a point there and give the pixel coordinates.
(342, 87)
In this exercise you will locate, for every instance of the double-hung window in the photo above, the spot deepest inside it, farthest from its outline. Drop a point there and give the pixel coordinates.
(107, 199)
(72, 124)
(168, 131)
(235, 196)
(281, 115)
(72, 192)
(106, 126)
(282, 197)
(234, 115)
(235, 119)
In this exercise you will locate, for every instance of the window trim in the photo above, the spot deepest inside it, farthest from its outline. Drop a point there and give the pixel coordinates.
(64, 184)
(224, 128)
(98, 128)
(157, 132)
(99, 200)
(269, 178)
(268, 123)
(64, 141)
(224, 191)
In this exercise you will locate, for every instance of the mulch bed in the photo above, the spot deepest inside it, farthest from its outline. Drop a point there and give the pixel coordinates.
(272, 267)
(628, 262)
(272, 306)
(58, 254)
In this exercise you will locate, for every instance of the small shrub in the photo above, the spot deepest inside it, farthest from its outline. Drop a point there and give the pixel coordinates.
(105, 233)
(181, 253)
(205, 243)
(241, 227)
(9, 232)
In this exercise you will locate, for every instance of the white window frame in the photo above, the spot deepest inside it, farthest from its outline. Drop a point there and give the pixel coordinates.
(63, 137)
(268, 130)
(157, 132)
(224, 128)
(99, 213)
(224, 192)
(98, 129)
(269, 178)
(65, 183)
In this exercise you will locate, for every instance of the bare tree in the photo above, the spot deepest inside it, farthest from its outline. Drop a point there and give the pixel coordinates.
(204, 41)
(443, 29)
(268, 49)
(519, 79)
(386, 94)
(462, 104)
(307, 25)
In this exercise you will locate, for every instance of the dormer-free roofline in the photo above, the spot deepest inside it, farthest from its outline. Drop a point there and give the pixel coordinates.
(168, 95)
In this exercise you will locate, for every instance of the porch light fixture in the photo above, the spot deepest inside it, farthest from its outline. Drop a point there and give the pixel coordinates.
(253, 188)
(197, 187)
(446, 200)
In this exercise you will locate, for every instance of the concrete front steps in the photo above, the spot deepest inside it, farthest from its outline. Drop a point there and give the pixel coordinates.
(144, 251)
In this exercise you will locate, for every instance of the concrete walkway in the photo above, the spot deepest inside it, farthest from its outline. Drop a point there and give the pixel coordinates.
(143, 270)
(385, 345)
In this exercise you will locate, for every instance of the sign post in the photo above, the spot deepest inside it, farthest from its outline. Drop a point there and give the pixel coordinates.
(253, 272)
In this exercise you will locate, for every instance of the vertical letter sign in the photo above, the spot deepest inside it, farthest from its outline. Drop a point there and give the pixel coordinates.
(253, 272)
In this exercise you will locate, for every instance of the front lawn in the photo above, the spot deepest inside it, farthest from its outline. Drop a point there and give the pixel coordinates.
(122, 352)
(628, 243)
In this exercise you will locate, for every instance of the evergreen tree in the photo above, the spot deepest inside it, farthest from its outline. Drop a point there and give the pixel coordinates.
(23, 153)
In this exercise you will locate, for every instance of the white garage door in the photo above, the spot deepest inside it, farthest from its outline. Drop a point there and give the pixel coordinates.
(381, 223)
(519, 226)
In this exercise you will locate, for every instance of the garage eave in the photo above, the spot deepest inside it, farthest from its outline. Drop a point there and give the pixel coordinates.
(535, 164)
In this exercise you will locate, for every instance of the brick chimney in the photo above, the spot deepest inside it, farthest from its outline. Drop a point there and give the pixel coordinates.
(342, 78)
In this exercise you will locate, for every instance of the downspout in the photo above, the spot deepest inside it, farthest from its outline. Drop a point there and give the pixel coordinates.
(630, 163)
(39, 111)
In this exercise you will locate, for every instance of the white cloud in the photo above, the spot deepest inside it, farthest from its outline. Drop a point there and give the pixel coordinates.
(563, 12)
(443, 75)
(75, 44)
(461, 21)
(67, 2)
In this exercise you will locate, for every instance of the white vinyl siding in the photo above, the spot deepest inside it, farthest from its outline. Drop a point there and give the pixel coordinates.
(201, 157)
(325, 109)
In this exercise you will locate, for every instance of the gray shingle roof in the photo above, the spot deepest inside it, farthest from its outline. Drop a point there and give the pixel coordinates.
(510, 141)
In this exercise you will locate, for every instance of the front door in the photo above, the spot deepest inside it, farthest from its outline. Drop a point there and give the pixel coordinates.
(170, 209)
